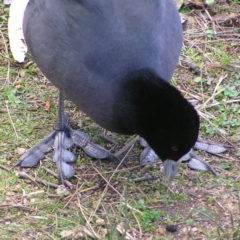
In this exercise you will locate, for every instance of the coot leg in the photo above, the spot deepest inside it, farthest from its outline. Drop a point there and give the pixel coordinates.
(60, 140)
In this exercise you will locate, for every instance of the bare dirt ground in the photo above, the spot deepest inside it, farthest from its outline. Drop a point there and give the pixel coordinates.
(104, 200)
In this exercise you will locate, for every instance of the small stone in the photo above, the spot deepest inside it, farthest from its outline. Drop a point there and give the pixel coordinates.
(21, 151)
(194, 229)
(171, 228)
(100, 221)
(62, 190)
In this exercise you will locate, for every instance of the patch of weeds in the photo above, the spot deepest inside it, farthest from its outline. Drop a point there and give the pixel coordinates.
(10, 95)
(190, 222)
(234, 78)
(202, 80)
(228, 118)
(184, 9)
(237, 185)
(134, 176)
(150, 217)
(216, 182)
(208, 129)
(181, 197)
(210, 34)
(230, 92)
(31, 70)
(211, 200)
(226, 166)
(5, 15)
(177, 217)
(168, 201)
(123, 173)
(199, 183)
(121, 139)
(168, 221)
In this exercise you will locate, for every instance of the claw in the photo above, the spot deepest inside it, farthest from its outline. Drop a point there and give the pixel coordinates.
(36, 153)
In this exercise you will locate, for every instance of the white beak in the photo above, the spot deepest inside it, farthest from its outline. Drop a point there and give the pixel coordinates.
(171, 168)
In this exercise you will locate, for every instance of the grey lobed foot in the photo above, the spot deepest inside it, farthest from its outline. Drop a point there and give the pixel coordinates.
(60, 142)
(194, 161)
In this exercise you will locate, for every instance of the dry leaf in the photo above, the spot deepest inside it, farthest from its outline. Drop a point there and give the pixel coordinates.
(47, 105)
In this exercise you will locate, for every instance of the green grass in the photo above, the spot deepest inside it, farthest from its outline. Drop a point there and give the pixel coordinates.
(200, 205)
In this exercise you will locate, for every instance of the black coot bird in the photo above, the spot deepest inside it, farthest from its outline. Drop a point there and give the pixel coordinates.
(114, 60)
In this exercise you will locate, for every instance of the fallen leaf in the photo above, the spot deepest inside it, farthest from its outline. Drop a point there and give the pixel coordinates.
(47, 105)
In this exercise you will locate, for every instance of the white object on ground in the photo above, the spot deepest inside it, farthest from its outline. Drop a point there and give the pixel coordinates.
(15, 31)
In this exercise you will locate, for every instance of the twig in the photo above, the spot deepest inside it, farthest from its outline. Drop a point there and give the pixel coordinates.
(6, 49)
(104, 137)
(16, 206)
(92, 233)
(5, 168)
(215, 93)
(75, 193)
(36, 180)
(11, 121)
(233, 66)
(145, 178)
(138, 189)
(233, 101)
(25, 175)
(219, 204)
(69, 184)
(192, 66)
(53, 185)
(54, 196)
(108, 183)
(126, 147)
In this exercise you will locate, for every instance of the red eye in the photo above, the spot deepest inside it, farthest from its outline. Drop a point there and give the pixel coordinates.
(175, 149)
